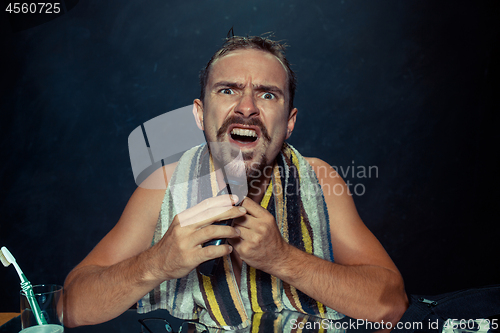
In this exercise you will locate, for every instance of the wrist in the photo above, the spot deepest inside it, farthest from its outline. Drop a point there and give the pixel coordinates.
(285, 266)
(151, 267)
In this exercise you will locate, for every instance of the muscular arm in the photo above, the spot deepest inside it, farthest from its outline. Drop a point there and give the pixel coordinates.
(363, 282)
(114, 275)
(363, 291)
(123, 267)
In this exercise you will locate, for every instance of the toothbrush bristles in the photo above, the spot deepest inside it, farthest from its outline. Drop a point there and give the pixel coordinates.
(3, 259)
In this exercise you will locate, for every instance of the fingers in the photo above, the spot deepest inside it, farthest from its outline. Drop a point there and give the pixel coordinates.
(254, 208)
(210, 232)
(244, 231)
(182, 243)
(208, 210)
(212, 215)
(215, 251)
(217, 214)
(220, 201)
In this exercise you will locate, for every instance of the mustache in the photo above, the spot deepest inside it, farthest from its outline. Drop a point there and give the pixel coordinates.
(243, 121)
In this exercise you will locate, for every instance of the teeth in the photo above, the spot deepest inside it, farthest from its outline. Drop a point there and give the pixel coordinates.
(244, 132)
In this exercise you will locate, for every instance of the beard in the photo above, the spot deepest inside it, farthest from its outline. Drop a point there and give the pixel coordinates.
(227, 155)
(237, 164)
(254, 169)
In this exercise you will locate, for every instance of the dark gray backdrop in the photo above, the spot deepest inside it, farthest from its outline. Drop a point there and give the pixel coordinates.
(407, 86)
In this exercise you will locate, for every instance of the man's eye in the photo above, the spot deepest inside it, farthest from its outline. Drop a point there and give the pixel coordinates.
(268, 95)
(227, 91)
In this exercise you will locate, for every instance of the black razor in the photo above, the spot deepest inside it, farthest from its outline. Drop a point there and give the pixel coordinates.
(233, 186)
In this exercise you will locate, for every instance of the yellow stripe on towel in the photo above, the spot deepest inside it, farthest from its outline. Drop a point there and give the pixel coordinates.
(306, 238)
(253, 290)
(279, 203)
(232, 288)
(265, 200)
(207, 284)
(252, 272)
(296, 299)
(321, 309)
(256, 322)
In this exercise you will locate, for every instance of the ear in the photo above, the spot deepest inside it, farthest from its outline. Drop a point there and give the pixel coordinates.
(291, 122)
(198, 113)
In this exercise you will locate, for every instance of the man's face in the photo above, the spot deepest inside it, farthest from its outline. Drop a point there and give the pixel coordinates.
(246, 105)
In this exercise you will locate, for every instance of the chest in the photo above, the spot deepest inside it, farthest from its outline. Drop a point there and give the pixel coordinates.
(236, 263)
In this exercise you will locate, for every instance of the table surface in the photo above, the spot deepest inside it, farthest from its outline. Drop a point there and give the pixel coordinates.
(128, 322)
(6, 316)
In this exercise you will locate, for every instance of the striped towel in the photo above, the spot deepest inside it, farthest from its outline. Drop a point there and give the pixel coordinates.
(293, 197)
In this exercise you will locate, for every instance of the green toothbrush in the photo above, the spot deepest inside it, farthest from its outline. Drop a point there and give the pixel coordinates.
(7, 258)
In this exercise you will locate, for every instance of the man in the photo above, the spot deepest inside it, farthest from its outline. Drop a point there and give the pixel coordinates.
(246, 101)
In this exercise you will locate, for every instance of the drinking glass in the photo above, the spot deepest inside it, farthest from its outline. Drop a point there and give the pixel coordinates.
(50, 300)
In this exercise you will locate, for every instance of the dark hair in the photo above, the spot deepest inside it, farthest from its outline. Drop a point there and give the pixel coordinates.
(258, 43)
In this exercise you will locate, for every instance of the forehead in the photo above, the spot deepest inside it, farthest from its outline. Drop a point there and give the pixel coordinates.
(240, 66)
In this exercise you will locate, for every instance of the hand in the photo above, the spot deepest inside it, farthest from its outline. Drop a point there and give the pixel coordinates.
(180, 250)
(260, 244)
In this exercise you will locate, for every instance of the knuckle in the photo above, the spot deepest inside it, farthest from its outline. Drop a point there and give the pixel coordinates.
(208, 231)
(211, 251)
(236, 211)
(245, 248)
(269, 219)
(176, 231)
(208, 202)
(261, 229)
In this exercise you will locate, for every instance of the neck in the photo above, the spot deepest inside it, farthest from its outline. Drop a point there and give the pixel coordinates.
(257, 187)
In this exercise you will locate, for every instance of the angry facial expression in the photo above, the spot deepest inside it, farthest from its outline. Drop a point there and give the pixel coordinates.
(246, 107)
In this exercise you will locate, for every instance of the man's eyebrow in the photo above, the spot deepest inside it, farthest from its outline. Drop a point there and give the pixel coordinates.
(271, 88)
(228, 84)
(262, 87)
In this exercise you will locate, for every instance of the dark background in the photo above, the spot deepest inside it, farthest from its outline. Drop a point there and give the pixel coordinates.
(408, 86)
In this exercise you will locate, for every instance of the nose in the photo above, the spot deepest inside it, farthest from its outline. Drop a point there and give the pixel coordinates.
(246, 106)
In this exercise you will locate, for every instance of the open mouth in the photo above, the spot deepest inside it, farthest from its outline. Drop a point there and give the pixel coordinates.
(243, 136)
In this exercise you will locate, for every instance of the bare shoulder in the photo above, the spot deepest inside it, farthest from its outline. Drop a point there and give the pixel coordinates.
(337, 196)
(324, 171)
(318, 164)
(352, 242)
(134, 230)
(313, 161)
